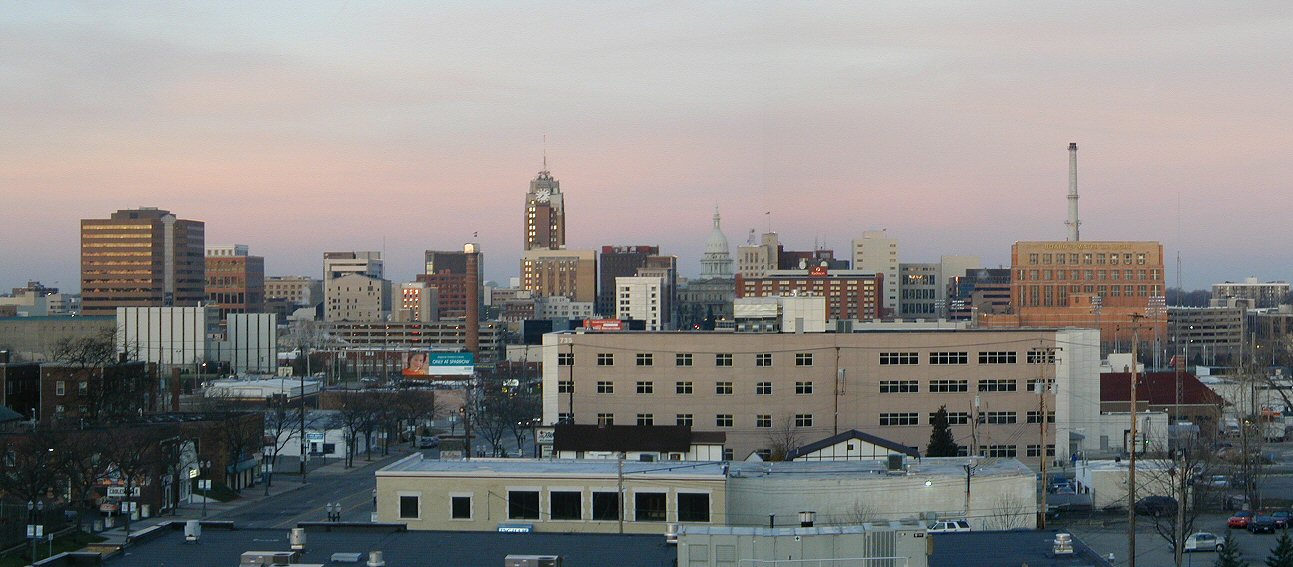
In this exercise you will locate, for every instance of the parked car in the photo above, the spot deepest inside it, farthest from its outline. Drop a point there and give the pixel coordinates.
(1203, 541)
(1240, 519)
(428, 441)
(1261, 525)
(1218, 481)
(1156, 505)
(1281, 519)
(949, 526)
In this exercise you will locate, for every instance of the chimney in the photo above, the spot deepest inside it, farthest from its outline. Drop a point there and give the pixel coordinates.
(1073, 223)
(473, 298)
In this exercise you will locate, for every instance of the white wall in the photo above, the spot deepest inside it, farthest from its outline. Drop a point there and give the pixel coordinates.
(168, 336)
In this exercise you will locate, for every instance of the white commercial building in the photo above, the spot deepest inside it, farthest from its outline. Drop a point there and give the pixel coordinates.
(641, 299)
(187, 337)
(876, 253)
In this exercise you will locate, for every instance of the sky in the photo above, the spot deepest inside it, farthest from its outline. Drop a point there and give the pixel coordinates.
(297, 128)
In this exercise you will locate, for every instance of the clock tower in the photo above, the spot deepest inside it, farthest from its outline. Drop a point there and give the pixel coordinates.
(545, 213)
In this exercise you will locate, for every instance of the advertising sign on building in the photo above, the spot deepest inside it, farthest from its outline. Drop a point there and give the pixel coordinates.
(604, 324)
(452, 364)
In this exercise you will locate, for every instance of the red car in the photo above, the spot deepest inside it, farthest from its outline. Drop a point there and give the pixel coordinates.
(1240, 520)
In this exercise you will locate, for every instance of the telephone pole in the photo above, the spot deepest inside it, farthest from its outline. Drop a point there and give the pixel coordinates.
(1131, 443)
(1044, 356)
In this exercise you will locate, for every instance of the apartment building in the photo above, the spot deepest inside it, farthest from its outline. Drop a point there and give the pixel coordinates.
(755, 387)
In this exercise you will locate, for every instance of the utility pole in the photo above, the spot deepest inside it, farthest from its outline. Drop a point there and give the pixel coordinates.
(1131, 443)
(620, 491)
(1044, 355)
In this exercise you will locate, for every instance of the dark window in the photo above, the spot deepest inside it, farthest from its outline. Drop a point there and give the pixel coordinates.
(606, 506)
(723, 359)
(646, 387)
(605, 359)
(896, 358)
(998, 357)
(949, 358)
(523, 505)
(685, 419)
(693, 507)
(948, 385)
(682, 387)
(723, 388)
(763, 359)
(649, 506)
(723, 420)
(803, 387)
(682, 359)
(605, 387)
(461, 506)
(763, 420)
(565, 359)
(409, 506)
(566, 505)
(804, 359)
(763, 388)
(565, 387)
(645, 359)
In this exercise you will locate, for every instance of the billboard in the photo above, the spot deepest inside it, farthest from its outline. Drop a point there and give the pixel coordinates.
(604, 324)
(421, 364)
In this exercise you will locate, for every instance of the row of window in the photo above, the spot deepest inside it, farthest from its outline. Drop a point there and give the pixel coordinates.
(765, 359)
(1096, 258)
(722, 388)
(727, 388)
(720, 420)
(569, 505)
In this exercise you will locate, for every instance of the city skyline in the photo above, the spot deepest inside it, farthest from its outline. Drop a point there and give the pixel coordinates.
(302, 129)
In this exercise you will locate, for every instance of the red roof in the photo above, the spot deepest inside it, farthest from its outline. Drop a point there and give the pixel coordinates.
(1158, 388)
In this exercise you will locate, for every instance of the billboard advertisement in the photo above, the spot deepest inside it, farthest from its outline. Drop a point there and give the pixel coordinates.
(421, 364)
(604, 324)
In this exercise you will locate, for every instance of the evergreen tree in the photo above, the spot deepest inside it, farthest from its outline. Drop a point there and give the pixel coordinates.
(1230, 556)
(941, 443)
(1282, 555)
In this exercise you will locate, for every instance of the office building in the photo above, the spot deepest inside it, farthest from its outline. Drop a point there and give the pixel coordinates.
(419, 301)
(641, 299)
(357, 297)
(850, 294)
(545, 213)
(568, 273)
(876, 253)
(618, 262)
(1263, 295)
(235, 280)
(1206, 335)
(144, 257)
(300, 291)
(816, 384)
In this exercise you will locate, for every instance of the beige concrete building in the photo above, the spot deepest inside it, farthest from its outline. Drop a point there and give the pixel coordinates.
(1263, 295)
(568, 273)
(299, 290)
(357, 297)
(759, 387)
(876, 253)
(549, 496)
(32, 339)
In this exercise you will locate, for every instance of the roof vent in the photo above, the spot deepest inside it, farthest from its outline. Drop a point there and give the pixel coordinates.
(375, 559)
(192, 531)
(297, 539)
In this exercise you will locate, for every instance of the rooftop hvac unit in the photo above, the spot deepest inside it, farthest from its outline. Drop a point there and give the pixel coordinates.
(192, 531)
(266, 558)
(532, 561)
(297, 539)
(375, 559)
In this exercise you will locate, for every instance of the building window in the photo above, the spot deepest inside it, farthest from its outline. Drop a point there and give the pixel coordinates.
(605, 419)
(723, 420)
(606, 506)
(646, 419)
(693, 507)
(899, 386)
(998, 385)
(905, 418)
(949, 358)
(998, 357)
(682, 387)
(1036, 450)
(723, 388)
(460, 507)
(803, 359)
(723, 359)
(685, 419)
(565, 417)
(997, 451)
(803, 387)
(646, 387)
(565, 359)
(949, 385)
(649, 506)
(565, 386)
(1043, 356)
(803, 420)
(645, 359)
(565, 505)
(410, 507)
(763, 421)
(605, 387)
(1036, 385)
(763, 359)
(954, 417)
(60, 388)
(763, 389)
(682, 359)
(606, 359)
(523, 504)
(1000, 417)
(1036, 417)
(899, 358)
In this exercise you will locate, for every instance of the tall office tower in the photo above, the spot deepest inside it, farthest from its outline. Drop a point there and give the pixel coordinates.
(235, 280)
(717, 260)
(618, 262)
(876, 253)
(353, 287)
(545, 213)
(143, 257)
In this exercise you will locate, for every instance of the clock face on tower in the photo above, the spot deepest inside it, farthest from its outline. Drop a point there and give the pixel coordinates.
(543, 194)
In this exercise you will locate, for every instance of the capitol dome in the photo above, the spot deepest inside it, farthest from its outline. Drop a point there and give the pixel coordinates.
(717, 261)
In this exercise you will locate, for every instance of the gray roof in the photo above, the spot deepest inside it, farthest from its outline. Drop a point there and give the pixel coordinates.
(929, 466)
(222, 548)
(913, 452)
(997, 549)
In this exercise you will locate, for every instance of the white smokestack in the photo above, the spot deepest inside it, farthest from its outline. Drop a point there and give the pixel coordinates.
(1073, 223)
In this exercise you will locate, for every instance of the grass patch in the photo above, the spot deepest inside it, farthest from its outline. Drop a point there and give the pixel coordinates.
(70, 542)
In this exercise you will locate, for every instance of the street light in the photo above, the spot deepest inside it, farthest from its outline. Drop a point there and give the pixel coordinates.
(35, 528)
(204, 484)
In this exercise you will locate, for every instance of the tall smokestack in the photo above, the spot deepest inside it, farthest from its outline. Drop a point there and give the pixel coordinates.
(1073, 223)
(473, 297)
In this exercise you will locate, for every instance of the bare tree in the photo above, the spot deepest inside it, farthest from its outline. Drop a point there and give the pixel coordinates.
(82, 461)
(135, 455)
(283, 424)
(1193, 463)
(29, 464)
(783, 439)
(859, 513)
(1009, 511)
(493, 410)
(351, 417)
(113, 388)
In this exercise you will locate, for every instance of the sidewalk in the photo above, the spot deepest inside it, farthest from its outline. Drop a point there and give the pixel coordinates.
(282, 483)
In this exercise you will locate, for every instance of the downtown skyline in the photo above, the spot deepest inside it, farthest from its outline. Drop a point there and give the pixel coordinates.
(298, 129)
